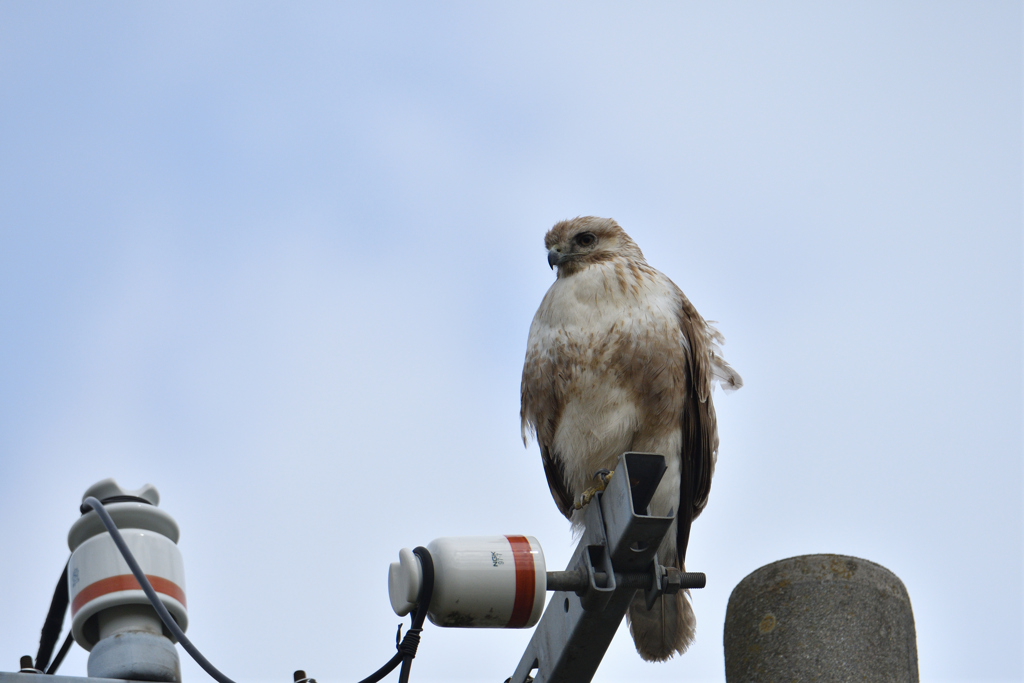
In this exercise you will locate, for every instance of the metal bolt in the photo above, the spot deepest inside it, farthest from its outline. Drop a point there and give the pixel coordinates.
(673, 581)
(27, 667)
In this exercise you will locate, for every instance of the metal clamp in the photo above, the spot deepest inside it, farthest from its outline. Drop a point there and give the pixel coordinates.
(616, 556)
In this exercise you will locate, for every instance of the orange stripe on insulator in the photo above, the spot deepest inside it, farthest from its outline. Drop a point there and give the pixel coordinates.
(526, 581)
(126, 582)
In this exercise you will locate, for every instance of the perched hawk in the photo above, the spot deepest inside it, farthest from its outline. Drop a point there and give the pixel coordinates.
(619, 360)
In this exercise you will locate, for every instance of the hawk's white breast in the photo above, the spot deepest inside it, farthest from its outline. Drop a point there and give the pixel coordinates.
(584, 320)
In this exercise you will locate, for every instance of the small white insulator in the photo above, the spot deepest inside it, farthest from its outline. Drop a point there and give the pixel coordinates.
(479, 581)
(404, 580)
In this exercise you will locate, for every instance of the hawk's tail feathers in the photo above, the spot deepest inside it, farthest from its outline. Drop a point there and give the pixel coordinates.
(667, 629)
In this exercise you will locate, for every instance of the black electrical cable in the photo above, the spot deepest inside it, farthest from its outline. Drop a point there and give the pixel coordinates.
(154, 599)
(384, 670)
(61, 654)
(413, 636)
(406, 650)
(83, 508)
(54, 622)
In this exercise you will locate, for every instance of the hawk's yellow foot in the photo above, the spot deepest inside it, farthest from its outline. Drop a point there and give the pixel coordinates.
(603, 477)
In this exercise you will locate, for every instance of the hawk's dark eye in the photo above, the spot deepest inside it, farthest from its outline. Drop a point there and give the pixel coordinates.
(585, 239)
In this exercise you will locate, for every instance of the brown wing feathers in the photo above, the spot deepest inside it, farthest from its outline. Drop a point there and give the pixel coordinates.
(698, 425)
(556, 482)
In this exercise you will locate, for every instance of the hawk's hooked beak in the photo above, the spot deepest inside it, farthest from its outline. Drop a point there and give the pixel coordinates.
(554, 257)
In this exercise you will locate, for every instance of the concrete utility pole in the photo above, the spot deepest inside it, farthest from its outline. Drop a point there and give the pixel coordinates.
(820, 618)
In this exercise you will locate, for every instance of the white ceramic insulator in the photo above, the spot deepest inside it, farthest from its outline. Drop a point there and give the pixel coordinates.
(404, 580)
(479, 582)
(99, 579)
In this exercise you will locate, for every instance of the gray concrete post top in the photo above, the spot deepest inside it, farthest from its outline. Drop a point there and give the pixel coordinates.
(820, 618)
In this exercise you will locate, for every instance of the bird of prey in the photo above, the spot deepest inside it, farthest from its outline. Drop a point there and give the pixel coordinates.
(619, 360)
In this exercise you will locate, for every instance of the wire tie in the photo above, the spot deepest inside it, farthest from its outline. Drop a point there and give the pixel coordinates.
(411, 642)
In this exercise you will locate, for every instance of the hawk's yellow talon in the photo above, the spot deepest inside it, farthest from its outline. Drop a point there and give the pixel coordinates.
(603, 477)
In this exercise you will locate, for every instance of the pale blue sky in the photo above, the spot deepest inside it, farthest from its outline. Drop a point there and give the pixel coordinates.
(280, 260)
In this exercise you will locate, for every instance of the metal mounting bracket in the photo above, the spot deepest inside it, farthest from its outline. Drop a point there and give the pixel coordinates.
(620, 537)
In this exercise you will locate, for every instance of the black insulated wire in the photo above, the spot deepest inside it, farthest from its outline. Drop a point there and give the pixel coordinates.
(61, 654)
(154, 599)
(406, 649)
(117, 499)
(54, 622)
(413, 636)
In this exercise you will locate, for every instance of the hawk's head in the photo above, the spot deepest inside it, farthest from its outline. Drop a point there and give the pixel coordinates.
(575, 244)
